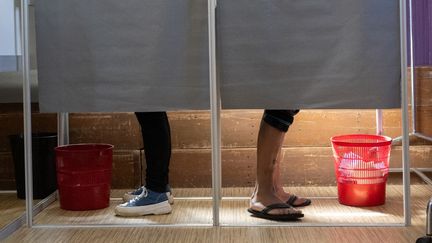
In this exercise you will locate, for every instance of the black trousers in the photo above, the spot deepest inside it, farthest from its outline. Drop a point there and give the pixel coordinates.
(280, 119)
(156, 137)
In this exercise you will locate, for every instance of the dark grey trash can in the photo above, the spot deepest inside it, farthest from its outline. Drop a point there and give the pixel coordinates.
(44, 165)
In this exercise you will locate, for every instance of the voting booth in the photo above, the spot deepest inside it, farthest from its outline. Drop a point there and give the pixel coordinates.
(125, 56)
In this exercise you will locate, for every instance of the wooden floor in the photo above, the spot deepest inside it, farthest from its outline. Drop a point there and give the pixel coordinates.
(10, 207)
(233, 212)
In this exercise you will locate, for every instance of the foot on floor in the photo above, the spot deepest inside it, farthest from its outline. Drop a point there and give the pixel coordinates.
(295, 201)
(292, 199)
(148, 202)
(275, 211)
(132, 194)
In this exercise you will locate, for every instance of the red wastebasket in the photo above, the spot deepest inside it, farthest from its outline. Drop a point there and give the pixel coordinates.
(361, 166)
(84, 176)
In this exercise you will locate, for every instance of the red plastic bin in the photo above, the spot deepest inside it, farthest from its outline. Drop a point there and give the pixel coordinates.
(84, 176)
(361, 167)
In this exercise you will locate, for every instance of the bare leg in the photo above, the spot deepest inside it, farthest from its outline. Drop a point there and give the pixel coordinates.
(269, 143)
(277, 184)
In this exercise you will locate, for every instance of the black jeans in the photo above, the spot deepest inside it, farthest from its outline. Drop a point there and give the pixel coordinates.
(280, 119)
(156, 136)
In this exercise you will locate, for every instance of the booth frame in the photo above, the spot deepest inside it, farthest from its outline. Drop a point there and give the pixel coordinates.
(215, 105)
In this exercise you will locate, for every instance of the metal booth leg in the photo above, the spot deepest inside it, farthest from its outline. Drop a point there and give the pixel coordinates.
(428, 237)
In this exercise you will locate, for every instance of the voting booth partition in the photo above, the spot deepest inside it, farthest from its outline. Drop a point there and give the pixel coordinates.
(166, 55)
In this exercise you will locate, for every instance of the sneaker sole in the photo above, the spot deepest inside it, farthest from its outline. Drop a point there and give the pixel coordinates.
(156, 209)
(127, 197)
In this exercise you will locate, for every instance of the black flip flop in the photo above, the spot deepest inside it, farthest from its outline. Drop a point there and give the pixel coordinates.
(292, 198)
(277, 217)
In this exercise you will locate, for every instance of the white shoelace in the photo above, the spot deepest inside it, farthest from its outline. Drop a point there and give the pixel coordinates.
(143, 194)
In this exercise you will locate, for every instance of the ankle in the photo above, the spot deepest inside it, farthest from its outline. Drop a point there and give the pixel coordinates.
(263, 194)
(279, 190)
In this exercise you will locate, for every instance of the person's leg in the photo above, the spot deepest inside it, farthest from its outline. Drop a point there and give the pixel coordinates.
(155, 197)
(282, 120)
(268, 189)
(156, 136)
(270, 138)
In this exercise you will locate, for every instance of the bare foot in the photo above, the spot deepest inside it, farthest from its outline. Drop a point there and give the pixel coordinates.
(284, 196)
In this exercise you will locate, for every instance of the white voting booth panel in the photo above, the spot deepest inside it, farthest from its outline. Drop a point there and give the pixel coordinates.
(109, 56)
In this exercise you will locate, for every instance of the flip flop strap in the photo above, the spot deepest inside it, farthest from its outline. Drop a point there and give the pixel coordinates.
(270, 207)
(292, 198)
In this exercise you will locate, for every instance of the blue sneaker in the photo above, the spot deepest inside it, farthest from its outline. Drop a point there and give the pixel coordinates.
(148, 202)
(132, 194)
